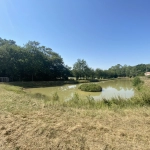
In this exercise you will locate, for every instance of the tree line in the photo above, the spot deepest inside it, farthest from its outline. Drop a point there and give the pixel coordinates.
(33, 62)
(81, 70)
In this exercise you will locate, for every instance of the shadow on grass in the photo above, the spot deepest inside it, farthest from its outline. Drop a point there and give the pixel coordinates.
(38, 84)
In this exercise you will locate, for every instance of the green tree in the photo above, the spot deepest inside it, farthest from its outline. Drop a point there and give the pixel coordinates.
(80, 69)
(30, 62)
(99, 73)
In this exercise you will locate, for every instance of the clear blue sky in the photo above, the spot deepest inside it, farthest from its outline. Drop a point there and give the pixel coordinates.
(102, 32)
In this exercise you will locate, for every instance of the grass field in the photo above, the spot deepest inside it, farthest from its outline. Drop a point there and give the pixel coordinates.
(34, 122)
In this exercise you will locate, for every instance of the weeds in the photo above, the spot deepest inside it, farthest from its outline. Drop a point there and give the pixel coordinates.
(29, 122)
(55, 97)
(141, 99)
(90, 99)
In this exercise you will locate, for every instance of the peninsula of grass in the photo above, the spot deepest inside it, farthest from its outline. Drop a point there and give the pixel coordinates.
(90, 87)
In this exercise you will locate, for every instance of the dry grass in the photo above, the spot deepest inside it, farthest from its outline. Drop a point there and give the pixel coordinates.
(27, 123)
(146, 81)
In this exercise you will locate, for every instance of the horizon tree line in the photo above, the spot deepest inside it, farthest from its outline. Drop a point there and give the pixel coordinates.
(33, 62)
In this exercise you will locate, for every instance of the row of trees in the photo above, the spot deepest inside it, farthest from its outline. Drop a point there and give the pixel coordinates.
(31, 62)
(34, 62)
(81, 70)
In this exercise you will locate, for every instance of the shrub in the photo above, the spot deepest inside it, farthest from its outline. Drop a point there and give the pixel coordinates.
(137, 81)
(90, 88)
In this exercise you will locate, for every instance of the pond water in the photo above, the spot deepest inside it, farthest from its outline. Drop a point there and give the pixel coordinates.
(111, 88)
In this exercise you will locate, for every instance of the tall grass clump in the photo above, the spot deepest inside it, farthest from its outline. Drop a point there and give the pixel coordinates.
(55, 97)
(142, 98)
(75, 101)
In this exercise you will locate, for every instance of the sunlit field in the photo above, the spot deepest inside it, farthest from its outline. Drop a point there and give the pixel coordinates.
(30, 121)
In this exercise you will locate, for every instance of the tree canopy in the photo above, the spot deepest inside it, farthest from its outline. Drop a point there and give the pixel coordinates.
(34, 62)
(31, 62)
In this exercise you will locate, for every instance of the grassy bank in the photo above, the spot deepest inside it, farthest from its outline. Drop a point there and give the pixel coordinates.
(36, 84)
(42, 83)
(37, 122)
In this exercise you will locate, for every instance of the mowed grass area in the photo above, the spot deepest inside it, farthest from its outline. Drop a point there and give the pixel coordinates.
(35, 122)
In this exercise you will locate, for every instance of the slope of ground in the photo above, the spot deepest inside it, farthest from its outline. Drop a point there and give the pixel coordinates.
(27, 123)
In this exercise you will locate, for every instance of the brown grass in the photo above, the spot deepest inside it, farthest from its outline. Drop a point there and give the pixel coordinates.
(27, 123)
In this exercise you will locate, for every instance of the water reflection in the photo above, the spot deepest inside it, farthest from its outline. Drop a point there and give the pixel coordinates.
(114, 88)
(110, 92)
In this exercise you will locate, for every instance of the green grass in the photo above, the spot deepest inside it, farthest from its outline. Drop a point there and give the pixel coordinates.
(90, 87)
(141, 99)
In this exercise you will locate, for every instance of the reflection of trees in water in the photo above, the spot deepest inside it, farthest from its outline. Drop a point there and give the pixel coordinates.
(118, 84)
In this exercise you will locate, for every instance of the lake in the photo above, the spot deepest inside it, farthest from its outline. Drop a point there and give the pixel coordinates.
(112, 88)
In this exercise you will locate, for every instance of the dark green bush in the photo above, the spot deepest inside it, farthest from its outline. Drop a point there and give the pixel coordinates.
(94, 80)
(91, 87)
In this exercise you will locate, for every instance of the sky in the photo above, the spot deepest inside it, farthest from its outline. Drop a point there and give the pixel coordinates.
(102, 32)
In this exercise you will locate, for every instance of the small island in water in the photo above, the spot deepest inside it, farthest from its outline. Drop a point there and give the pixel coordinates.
(90, 87)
